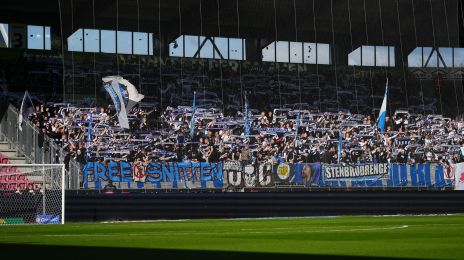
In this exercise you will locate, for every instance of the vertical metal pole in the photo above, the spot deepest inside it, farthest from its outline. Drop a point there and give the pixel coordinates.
(17, 135)
(72, 178)
(34, 147)
(44, 191)
(62, 192)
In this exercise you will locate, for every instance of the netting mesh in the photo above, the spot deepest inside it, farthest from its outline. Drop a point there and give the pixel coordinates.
(31, 194)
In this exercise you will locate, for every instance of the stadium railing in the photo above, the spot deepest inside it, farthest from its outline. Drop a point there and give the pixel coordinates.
(29, 142)
(37, 148)
(74, 173)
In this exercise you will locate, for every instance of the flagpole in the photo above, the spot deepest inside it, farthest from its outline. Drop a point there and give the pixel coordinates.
(20, 115)
(89, 130)
(247, 127)
(22, 108)
(192, 120)
(340, 144)
(296, 130)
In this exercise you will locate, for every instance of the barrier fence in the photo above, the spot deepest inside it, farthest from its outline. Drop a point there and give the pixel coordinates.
(36, 147)
(236, 176)
(32, 145)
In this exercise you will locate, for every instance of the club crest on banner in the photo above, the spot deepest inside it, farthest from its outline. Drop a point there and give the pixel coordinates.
(283, 171)
(139, 172)
(448, 172)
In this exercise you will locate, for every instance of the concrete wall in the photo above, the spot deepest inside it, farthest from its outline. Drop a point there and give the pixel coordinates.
(102, 207)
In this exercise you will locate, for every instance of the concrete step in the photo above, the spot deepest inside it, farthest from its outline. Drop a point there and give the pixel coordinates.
(8, 152)
(15, 160)
(5, 146)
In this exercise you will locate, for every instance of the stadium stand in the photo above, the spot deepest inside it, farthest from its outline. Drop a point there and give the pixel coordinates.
(235, 101)
(409, 138)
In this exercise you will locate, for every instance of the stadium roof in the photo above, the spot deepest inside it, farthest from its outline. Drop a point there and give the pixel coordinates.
(421, 22)
(256, 16)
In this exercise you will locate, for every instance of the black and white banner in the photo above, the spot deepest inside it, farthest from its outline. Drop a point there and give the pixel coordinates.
(248, 175)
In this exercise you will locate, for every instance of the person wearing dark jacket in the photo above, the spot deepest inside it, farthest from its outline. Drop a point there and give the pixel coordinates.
(109, 187)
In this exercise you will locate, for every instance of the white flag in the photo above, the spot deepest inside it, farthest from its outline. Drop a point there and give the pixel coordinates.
(25, 110)
(134, 96)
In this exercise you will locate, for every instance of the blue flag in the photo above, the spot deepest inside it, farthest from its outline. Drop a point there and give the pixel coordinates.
(383, 111)
(247, 126)
(340, 145)
(192, 121)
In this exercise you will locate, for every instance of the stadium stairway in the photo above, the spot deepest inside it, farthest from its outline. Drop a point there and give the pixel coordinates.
(9, 155)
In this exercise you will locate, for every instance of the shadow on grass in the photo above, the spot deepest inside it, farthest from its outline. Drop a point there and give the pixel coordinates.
(21, 251)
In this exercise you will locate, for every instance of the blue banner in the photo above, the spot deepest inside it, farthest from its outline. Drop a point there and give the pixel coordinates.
(236, 175)
(189, 175)
(47, 219)
(308, 174)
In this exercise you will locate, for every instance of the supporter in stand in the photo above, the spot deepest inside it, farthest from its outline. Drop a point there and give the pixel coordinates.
(407, 139)
(109, 187)
(30, 189)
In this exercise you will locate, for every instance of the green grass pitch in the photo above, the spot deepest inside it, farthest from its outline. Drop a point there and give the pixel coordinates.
(422, 237)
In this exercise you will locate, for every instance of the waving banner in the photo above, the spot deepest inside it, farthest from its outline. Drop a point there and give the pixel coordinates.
(124, 96)
(133, 96)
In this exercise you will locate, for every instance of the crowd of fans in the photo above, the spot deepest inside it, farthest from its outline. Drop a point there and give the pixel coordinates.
(89, 134)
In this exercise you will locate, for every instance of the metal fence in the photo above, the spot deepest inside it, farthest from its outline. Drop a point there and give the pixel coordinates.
(74, 171)
(36, 147)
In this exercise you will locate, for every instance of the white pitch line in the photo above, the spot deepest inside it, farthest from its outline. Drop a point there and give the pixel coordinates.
(145, 221)
(211, 220)
(229, 233)
(299, 228)
(85, 235)
(333, 230)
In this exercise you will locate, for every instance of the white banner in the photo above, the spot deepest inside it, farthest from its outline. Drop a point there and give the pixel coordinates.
(458, 176)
